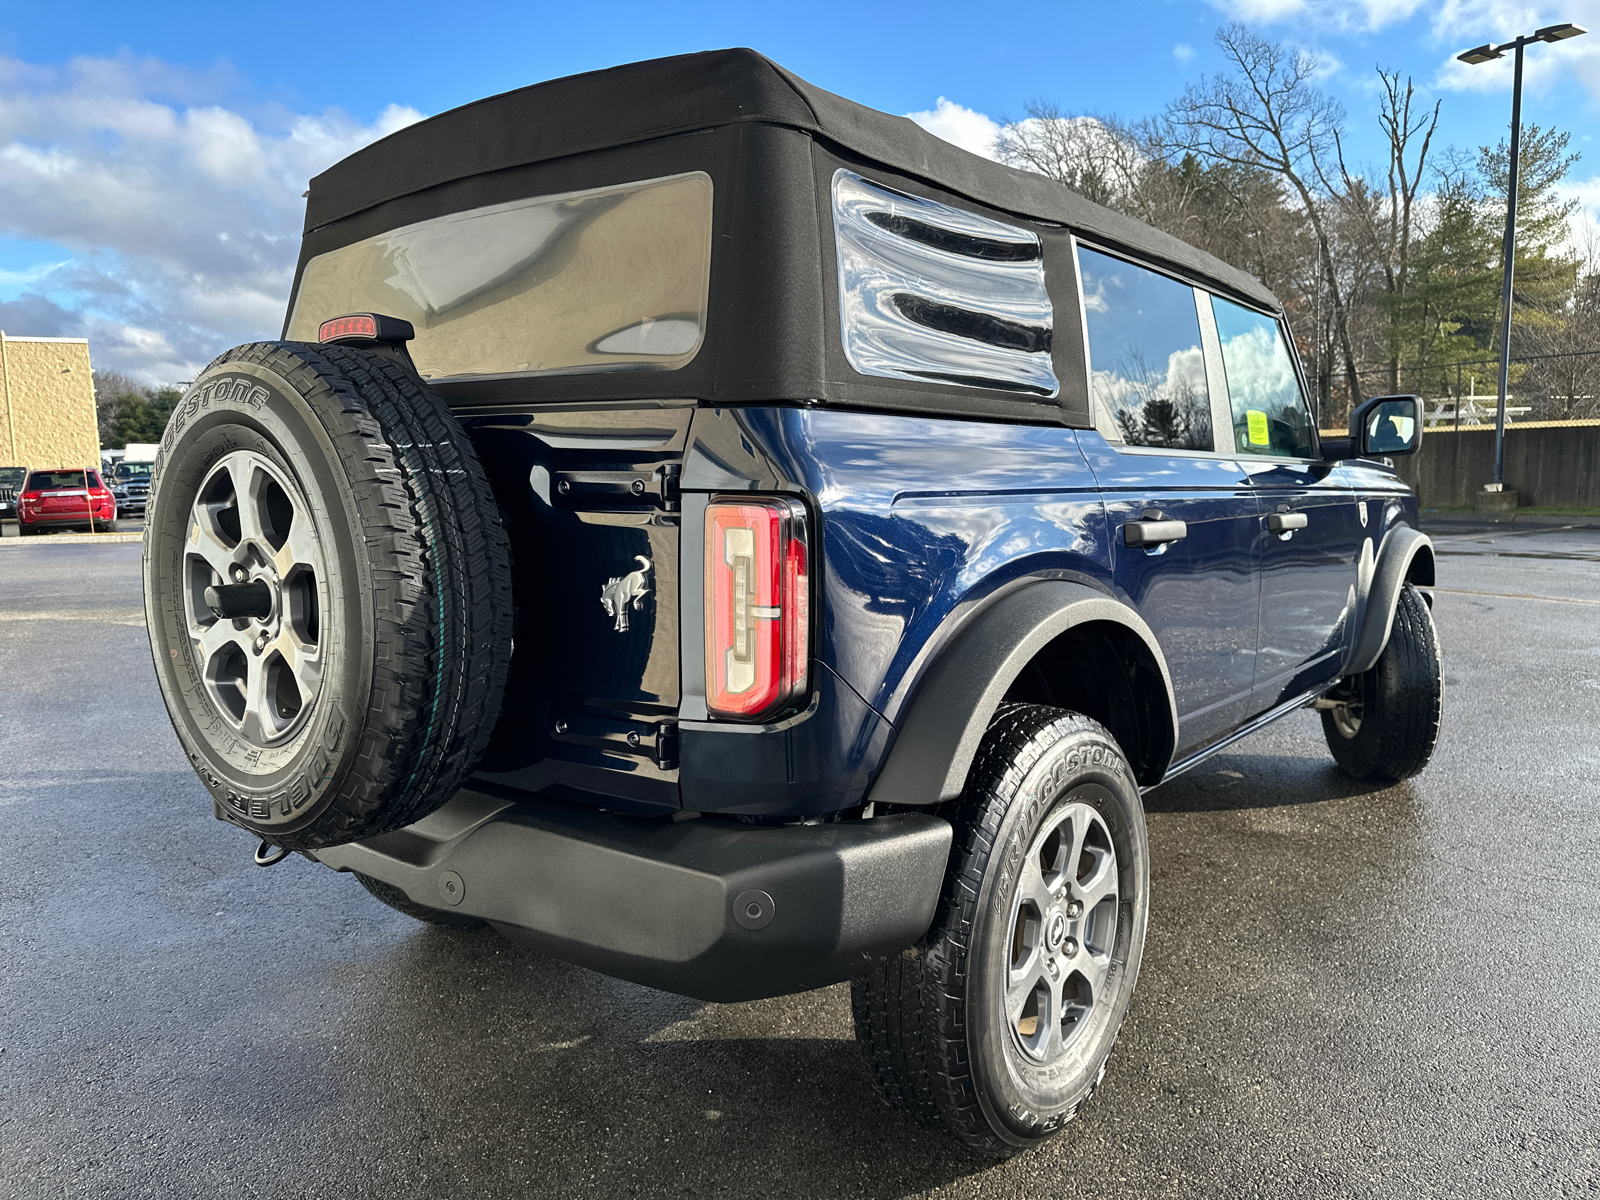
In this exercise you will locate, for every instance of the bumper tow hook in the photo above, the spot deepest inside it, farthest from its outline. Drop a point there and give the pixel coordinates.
(268, 855)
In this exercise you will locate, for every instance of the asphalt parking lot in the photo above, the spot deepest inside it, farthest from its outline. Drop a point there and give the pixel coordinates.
(1347, 991)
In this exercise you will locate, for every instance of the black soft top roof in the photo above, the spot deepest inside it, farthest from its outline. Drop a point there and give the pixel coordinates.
(691, 92)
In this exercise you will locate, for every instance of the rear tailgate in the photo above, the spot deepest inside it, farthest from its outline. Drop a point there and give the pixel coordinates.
(590, 501)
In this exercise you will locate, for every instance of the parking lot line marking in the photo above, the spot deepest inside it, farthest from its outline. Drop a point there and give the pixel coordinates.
(1517, 596)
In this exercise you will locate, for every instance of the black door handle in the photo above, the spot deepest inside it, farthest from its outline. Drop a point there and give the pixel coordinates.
(1286, 522)
(1153, 533)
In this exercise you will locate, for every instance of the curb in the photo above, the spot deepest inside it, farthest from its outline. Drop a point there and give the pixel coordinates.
(72, 539)
(1465, 522)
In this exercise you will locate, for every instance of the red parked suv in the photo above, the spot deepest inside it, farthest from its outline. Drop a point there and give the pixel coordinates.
(52, 499)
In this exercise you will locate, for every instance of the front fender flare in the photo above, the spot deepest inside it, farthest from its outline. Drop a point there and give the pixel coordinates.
(1398, 561)
(950, 713)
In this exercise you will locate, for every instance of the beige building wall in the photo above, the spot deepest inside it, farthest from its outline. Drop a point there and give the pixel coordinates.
(47, 403)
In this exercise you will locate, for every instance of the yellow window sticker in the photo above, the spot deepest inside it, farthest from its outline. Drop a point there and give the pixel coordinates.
(1258, 427)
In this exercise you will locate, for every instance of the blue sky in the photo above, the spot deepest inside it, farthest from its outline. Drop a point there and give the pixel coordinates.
(152, 156)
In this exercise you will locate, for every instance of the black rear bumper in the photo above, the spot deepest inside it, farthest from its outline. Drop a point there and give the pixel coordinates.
(709, 908)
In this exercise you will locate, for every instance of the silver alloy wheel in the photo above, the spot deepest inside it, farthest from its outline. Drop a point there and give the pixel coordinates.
(254, 594)
(1347, 718)
(1063, 930)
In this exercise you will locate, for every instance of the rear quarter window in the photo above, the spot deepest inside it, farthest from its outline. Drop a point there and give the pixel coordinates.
(933, 292)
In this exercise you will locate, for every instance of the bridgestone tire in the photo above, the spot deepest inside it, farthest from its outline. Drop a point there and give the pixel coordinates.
(1389, 727)
(400, 902)
(935, 1022)
(334, 483)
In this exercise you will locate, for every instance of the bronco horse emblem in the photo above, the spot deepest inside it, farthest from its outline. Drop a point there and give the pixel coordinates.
(622, 592)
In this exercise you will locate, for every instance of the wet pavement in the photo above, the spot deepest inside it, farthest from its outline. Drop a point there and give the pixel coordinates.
(1347, 992)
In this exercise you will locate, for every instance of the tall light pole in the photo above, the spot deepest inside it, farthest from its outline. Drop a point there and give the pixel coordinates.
(1483, 54)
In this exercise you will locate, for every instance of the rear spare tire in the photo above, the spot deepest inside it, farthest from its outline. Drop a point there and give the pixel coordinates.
(327, 592)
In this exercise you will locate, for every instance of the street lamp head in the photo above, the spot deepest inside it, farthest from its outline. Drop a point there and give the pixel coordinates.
(1482, 54)
(1559, 33)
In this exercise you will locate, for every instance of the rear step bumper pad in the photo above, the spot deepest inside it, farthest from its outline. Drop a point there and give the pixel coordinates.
(710, 908)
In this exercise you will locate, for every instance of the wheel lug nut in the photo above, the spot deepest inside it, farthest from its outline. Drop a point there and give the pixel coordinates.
(1069, 947)
(1075, 910)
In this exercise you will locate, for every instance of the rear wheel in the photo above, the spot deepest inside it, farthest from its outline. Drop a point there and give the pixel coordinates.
(997, 1026)
(400, 902)
(1384, 723)
(327, 590)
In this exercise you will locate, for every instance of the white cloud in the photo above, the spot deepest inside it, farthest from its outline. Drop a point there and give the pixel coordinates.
(1327, 65)
(974, 131)
(1583, 237)
(1322, 14)
(181, 216)
(1462, 24)
(1182, 52)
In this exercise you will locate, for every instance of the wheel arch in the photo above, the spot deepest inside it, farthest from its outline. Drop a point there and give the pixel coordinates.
(1051, 641)
(1406, 557)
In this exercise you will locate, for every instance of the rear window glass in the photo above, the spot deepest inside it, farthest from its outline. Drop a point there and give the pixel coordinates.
(1145, 362)
(1270, 415)
(609, 279)
(929, 291)
(48, 481)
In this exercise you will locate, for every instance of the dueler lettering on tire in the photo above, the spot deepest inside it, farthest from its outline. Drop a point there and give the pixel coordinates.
(998, 1025)
(327, 592)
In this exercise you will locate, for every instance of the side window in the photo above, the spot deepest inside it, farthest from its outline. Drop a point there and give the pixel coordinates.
(927, 291)
(1145, 362)
(1270, 415)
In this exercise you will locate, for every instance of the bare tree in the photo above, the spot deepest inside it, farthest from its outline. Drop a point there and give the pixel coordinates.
(1096, 156)
(1384, 221)
(1268, 114)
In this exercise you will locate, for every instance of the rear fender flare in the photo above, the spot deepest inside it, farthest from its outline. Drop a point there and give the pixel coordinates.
(1406, 557)
(951, 710)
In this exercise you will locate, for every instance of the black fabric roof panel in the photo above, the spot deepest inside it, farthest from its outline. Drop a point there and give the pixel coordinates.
(667, 96)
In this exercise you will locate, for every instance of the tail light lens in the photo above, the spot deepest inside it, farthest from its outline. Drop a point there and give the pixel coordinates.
(31, 497)
(758, 607)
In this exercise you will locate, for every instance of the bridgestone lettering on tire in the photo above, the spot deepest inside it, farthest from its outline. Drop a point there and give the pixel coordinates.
(997, 1026)
(327, 592)
(1385, 722)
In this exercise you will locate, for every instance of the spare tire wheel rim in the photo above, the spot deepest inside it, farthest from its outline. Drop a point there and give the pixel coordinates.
(254, 597)
(1063, 931)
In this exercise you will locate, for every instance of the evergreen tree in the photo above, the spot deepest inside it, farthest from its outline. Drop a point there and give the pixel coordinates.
(1545, 277)
(142, 416)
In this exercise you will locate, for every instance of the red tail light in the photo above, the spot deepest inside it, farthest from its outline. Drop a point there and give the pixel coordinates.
(758, 610)
(366, 327)
(362, 326)
(31, 496)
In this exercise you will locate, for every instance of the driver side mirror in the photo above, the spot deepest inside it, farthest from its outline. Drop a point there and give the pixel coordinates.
(1384, 425)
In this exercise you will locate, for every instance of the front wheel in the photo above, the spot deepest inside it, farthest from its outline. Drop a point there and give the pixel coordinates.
(1384, 723)
(997, 1026)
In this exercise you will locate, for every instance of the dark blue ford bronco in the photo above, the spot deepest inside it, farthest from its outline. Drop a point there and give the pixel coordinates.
(726, 537)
